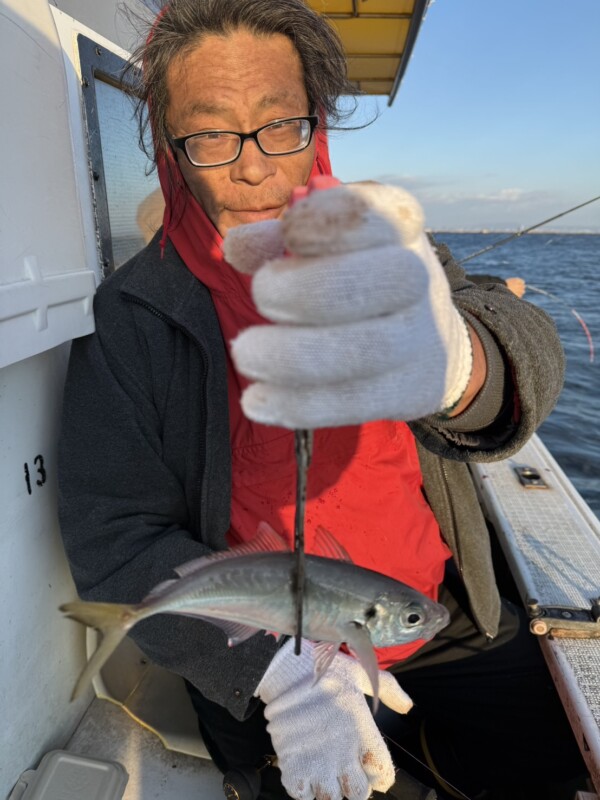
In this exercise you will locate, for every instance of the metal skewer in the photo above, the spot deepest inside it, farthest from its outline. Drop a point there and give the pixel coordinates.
(303, 440)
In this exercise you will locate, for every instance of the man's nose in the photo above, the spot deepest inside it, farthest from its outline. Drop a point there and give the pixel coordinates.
(252, 166)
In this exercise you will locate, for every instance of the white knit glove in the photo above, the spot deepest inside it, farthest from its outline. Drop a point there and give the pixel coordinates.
(366, 325)
(323, 733)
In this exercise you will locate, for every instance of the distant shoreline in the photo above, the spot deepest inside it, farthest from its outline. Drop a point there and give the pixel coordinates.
(509, 231)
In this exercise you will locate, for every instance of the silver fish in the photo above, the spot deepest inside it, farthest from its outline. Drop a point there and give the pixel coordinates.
(248, 588)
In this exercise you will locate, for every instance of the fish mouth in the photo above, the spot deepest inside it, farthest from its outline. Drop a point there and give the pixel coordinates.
(440, 621)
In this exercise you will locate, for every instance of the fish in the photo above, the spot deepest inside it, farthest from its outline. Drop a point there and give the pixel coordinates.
(249, 588)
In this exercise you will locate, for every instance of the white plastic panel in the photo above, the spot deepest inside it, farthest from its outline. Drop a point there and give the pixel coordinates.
(42, 311)
(105, 17)
(45, 283)
(42, 653)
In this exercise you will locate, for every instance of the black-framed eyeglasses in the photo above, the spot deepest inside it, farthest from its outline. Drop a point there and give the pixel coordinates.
(217, 148)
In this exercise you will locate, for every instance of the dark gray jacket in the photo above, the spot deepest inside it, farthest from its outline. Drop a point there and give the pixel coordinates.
(144, 455)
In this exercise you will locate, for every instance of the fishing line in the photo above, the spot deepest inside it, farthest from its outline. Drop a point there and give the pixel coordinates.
(529, 287)
(446, 785)
(523, 232)
(575, 313)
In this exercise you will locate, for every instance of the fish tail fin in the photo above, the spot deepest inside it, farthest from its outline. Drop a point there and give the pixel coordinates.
(113, 620)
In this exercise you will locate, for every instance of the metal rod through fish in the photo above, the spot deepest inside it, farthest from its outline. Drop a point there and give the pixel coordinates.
(303, 440)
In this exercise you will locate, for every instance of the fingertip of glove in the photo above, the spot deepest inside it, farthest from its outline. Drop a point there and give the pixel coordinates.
(393, 695)
(247, 247)
(379, 768)
(352, 217)
(257, 406)
(395, 204)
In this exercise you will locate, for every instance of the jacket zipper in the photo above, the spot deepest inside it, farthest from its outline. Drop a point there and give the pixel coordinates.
(201, 519)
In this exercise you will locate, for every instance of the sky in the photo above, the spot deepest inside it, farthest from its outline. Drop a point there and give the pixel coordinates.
(497, 121)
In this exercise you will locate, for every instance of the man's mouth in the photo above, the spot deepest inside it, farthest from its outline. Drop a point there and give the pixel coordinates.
(256, 215)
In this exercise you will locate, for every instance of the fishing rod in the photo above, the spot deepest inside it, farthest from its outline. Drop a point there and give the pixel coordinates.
(529, 287)
(527, 230)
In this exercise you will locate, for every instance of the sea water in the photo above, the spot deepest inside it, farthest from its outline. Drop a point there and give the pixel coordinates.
(568, 266)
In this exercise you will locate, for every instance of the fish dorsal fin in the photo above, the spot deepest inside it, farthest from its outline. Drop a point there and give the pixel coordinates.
(266, 540)
(327, 545)
(324, 654)
(358, 641)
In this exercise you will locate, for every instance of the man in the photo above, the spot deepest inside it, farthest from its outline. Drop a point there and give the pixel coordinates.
(159, 465)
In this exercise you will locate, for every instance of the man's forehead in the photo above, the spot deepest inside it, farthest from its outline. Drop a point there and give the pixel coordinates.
(272, 99)
(222, 80)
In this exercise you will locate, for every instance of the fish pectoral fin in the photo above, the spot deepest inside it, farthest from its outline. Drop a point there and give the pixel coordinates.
(236, 631)
(358, 641)
(324, 654)
(267, 540)
(158, 590)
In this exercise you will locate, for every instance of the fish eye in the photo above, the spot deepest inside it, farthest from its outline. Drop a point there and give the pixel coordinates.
(413, 618)
(370, 612)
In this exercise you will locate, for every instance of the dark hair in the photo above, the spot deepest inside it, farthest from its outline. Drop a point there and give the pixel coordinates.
(180, 26)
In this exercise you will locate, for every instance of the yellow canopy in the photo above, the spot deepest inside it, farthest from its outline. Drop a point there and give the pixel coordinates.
(378, 36)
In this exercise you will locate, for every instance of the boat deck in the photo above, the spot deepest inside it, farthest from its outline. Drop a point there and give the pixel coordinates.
(155, 773)
(551, 541)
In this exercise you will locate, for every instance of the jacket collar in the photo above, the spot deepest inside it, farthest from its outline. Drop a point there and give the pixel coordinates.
(167, 286)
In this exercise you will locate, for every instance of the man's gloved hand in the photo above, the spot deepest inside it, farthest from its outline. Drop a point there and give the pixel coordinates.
(323, 733)
(366, 325)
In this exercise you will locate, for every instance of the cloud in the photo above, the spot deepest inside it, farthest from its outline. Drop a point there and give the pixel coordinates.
(414, 183)
(449, 204)
(434, 189)
(506, 197)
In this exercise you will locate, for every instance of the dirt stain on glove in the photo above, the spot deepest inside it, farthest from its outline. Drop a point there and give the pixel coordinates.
(320, 794)
(345, 784)
(370, 760)
(318, 224)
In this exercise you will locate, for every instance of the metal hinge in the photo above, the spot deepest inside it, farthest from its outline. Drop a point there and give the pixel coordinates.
(530, 478)
(565, 621)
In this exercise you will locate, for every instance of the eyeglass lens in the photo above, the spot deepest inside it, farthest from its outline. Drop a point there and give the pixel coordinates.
(280, 138)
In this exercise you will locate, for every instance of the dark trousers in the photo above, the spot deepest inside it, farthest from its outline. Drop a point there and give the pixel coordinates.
(486, 715)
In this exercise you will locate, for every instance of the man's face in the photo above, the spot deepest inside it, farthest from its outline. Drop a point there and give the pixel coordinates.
(239, 83)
